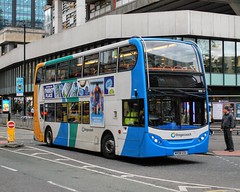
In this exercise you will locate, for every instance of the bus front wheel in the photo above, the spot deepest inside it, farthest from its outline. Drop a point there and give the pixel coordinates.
(49, 137)
(108, 146)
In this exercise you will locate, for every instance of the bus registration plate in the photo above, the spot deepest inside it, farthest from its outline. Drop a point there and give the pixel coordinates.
(177, 153)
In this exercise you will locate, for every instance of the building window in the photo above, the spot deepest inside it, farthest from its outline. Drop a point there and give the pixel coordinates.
(229, 63)
(216, 56)
(229, 57)
(204, 46)
(238, 57)
(238, 63)
(216, 63)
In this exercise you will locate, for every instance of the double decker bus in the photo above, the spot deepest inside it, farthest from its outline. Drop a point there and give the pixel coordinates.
(142, 97)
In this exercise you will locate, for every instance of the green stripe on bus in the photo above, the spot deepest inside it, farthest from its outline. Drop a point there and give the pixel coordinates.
(69, 80)
(72, 99)
(73, 134)
(62, 59)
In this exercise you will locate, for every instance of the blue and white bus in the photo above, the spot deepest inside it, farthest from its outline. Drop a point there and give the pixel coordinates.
(142, 97)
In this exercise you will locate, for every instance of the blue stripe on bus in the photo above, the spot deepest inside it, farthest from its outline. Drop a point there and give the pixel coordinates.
(132, 145)
(62, 136)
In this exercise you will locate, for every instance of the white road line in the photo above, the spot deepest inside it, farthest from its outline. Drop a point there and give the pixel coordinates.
(61, 186)
(11, 169)
(134, 177)
(61, 159)
(34, 154)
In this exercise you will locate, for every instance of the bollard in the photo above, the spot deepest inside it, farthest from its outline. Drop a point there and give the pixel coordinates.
(11, 131)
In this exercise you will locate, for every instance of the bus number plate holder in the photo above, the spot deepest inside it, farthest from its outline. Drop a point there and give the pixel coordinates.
(178, 153)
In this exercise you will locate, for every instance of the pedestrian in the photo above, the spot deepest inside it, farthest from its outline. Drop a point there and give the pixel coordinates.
(32, 111)
(227, 128)
(211, 121)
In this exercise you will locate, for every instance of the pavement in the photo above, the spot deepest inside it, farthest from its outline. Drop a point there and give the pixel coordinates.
(216, 142)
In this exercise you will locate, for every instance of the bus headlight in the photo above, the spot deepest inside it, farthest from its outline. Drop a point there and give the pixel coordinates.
(202, 137)
(156, 139)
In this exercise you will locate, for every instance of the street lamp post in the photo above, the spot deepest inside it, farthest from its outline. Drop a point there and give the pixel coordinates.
(24, 69)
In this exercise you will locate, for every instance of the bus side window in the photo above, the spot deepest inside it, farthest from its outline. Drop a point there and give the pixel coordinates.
(39, 76)
(127, 57)
(86, 112)
(133, 112)
(41, 111)
(61, 112)
(73, 112)
(50, 112)
(90, 67)
(62, 71)
(50, 74)
(108, 61)
(75, 68)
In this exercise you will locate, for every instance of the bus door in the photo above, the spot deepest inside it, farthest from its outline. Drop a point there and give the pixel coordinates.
(133, 121)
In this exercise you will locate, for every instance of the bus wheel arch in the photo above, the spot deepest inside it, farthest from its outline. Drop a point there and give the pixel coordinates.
(108, 145)
(48, 136)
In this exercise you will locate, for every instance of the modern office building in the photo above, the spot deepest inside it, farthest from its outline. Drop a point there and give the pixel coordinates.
(13, 13)
(214, 25)
(14, 16)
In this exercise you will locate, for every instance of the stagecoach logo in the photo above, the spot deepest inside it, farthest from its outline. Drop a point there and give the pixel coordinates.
(87, 130)
(173, 135)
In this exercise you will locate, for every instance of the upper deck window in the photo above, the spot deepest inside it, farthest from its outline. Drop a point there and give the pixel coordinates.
(90, 65)
(75, 68)
(50, 73)
(62, 71)
(108, 61)
(127, 57)
(40, 76)
(172, 56)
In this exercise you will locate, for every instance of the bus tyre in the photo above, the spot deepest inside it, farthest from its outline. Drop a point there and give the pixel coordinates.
(49, 137)
(108, 146)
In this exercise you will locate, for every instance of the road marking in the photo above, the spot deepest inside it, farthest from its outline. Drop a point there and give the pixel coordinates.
(116, 173)
(184, 188)
(11, 169)
(61, 186)
(227, 160)
(34, 154)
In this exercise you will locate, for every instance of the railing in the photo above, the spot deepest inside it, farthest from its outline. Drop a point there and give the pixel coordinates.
(25, 122)
(216, 127)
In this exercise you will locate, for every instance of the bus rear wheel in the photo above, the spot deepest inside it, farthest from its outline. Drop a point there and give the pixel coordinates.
(108, 146)
(49, 137)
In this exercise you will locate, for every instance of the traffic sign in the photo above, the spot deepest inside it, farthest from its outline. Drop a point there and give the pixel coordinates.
(11, 131)
(11, 124)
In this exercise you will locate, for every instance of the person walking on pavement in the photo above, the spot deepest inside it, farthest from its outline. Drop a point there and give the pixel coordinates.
(227, 128)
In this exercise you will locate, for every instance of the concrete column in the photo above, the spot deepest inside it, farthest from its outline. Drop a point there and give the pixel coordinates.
(235, 7)
(10, 47)
(57, 22)
(81, 11)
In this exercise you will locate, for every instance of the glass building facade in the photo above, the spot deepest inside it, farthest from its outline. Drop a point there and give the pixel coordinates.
(13, 13)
